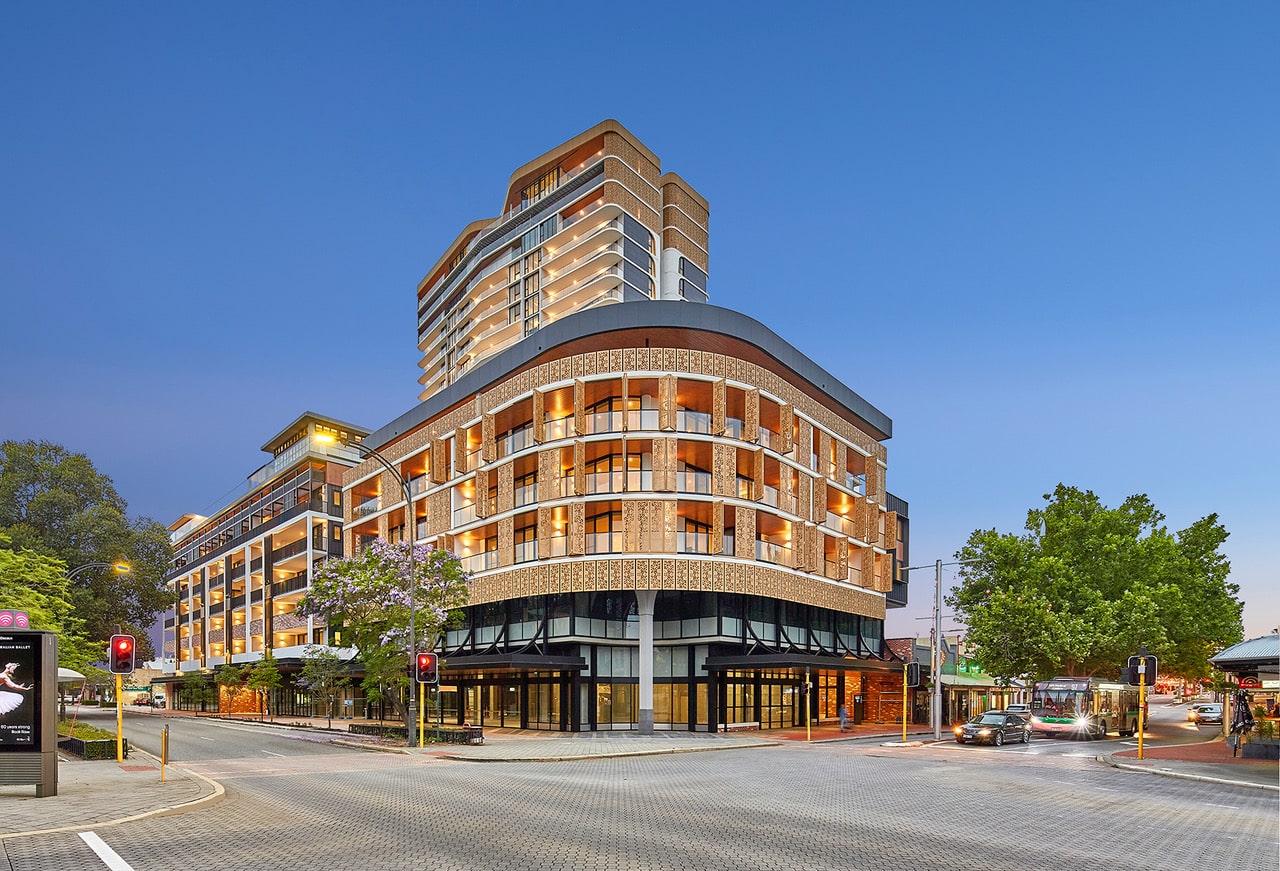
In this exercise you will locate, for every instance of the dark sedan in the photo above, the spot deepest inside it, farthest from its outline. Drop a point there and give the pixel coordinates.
(994, 727)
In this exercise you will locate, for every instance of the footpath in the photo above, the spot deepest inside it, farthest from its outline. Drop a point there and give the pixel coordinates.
(103, 792)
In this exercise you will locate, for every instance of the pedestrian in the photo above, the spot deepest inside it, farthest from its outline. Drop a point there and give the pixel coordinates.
(844, 717)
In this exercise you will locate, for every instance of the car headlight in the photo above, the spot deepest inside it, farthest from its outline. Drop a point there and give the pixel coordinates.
(959, 730)
(984, 731)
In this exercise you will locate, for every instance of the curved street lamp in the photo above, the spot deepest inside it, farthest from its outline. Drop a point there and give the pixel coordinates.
(412, 534)
(120, 567)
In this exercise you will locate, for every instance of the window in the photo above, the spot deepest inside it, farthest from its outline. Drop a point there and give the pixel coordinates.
(604, 532)
(526, 539)
(695, 537)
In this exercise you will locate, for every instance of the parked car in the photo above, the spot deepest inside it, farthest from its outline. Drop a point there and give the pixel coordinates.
(158, 700)
(1193, 712)
(1209, 714)
(1023, 711)
(994, 727)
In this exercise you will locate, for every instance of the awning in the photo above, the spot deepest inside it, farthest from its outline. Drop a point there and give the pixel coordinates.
(964, 680)
(66, 675)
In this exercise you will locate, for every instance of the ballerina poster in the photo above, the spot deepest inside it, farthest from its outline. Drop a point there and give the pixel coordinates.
(18, 705)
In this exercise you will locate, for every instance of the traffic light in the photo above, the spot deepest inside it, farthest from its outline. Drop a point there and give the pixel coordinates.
(913, 674)
(1149, 666)
(426, 668)
(120, 654)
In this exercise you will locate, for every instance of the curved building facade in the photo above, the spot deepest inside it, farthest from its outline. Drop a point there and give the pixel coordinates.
(673, 520)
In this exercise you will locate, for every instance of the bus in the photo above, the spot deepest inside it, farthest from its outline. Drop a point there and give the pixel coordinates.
(1083, 707)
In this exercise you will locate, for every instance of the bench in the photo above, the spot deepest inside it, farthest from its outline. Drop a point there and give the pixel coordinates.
(739, 727)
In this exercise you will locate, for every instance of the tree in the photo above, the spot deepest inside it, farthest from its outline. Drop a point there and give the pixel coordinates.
(367, 598)
(195, 689)
(54, 503)
(231, 679)
(1087, 585)
(323, 674)
(262, 677)
(38, 585)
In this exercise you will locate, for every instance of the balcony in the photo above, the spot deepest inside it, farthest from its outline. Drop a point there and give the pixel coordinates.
(365, 507)
(693, 421)
(526, 551)
(562, 428)
(526, 495)
(604, 482)
(480, 562)
(772, 552)
(515, 441)
(693, 542)
(694, 482)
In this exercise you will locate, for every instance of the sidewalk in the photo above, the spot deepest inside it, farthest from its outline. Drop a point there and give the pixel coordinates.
(1209, 761)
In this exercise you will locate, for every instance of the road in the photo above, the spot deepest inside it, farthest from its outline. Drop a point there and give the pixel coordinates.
(854, 805)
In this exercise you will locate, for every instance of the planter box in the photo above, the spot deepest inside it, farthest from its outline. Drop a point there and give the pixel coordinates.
(1261, 748)
(99, 748)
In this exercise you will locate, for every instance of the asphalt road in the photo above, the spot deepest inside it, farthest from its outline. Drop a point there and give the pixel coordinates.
(841, 805)
(194, 739)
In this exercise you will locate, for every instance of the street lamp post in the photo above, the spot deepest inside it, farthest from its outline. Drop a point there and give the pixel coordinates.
(120, 567)
(936, 653)
(412, 533)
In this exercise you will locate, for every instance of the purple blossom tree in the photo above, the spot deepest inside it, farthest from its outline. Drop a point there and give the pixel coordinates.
(366, 598)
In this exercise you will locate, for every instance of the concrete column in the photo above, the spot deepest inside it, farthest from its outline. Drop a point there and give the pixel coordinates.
(645, 600)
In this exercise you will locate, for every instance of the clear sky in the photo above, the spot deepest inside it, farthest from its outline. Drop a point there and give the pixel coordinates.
(1041, 237)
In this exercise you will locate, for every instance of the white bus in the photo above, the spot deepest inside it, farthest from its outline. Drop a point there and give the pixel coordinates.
(1083, 707)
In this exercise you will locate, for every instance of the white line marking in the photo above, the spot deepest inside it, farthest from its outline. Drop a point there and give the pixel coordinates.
(205, 738)
(269, 753)
(1230, 807)
(109, 856)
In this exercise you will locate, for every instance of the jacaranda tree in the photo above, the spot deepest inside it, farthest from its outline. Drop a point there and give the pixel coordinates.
(366, 598)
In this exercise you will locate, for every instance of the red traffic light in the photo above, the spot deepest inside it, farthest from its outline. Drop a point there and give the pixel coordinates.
(120, 654)
(425, 668)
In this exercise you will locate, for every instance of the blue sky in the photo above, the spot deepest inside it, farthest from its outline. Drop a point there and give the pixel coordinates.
(1041, 237)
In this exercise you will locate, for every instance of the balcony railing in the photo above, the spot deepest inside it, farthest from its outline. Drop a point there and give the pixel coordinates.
(366, 507)
(561, 428)
(604, 482)
(526, 495)
(772, 552)
(644, 419)
(526, 551)
(480, 562)
(693, 542)
(694, 482)
(515, 441)
(693, 421)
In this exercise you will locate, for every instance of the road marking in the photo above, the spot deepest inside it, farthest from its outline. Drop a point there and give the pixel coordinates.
(108, 856)
(205, 738)
(269, 753)
(1230, 807)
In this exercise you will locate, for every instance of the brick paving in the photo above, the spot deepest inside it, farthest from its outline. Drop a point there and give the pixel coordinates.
(836, 804)
(815, 798)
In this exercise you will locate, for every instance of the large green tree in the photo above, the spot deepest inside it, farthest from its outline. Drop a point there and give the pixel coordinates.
(38, 585)
(366, 597)
(1086, 585)
(55, 503)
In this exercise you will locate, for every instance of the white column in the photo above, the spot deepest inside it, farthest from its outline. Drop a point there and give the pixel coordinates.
(645, 600)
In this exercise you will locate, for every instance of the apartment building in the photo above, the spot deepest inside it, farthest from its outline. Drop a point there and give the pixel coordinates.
(238, 574)
(591, 222)
(673, 519)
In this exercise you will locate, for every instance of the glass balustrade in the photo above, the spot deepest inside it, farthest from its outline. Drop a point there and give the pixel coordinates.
(694, 482)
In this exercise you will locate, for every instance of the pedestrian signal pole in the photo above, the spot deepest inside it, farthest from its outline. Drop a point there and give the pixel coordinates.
(904, 702)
